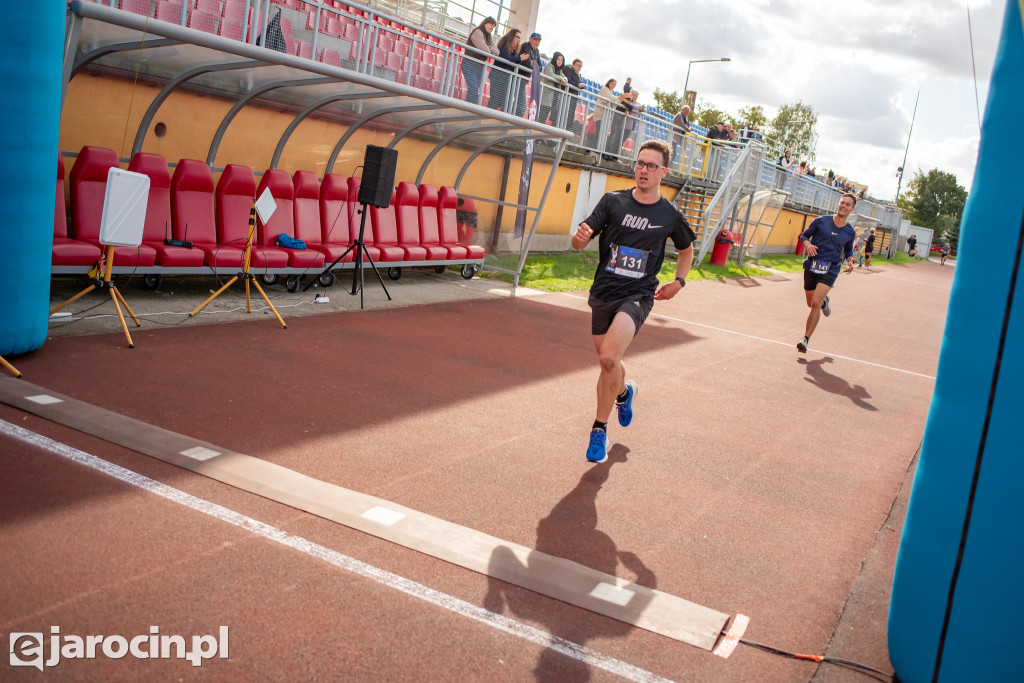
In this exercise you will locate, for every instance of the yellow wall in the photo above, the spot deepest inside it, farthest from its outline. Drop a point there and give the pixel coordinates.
(107, 111)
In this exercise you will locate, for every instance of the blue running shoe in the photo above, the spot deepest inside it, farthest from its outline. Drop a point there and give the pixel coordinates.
(625, 408)
(596, 451)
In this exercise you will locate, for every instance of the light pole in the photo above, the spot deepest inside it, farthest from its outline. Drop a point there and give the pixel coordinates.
(899, 171)
(698, 61)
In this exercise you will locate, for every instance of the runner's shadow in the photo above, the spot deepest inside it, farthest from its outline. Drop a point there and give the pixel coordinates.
(569, 532)
(833, 384)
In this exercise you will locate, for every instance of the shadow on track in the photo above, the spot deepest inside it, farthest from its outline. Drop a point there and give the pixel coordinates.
(570, 532)
(833, 384)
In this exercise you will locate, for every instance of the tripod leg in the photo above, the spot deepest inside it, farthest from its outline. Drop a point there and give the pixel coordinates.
(213, 296)
(120, 315)
(267, 299)
(124, 303)
(377, 273)
(75, 298)
(9, 368)
(248, 300)
(330, 268)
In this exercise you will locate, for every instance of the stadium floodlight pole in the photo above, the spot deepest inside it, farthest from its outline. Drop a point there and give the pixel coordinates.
(899, 171)
(698, 61)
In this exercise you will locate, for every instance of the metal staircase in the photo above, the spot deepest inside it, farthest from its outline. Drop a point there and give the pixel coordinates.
(708, 216)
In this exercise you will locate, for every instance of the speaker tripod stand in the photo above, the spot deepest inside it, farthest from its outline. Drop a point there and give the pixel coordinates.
(245, 275)
(115, 294)
(358, 279)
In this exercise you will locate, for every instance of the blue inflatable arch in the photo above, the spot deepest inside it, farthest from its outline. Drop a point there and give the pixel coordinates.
(958, 590)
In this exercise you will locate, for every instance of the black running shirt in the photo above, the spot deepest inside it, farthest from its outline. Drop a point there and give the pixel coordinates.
(631, 243)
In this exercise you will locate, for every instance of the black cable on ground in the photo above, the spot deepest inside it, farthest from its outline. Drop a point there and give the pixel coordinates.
(862, 668)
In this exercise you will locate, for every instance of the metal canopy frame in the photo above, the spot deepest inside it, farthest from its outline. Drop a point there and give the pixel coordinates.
(178, 58)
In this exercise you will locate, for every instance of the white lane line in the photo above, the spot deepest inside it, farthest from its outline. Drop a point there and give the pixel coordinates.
(303, 545)
(774, 341)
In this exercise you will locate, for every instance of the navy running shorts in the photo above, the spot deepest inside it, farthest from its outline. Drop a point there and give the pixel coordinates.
(811, 280)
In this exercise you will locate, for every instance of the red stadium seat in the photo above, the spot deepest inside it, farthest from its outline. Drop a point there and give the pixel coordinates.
(232, 28)
(236, 190)
(385, 233)
(430, 232)
(209, 6)
(158, 213)
(334, 217)
(407, 200)
(66, 251)
(233, 9)
(168, 11)
(283, 221)
(307, 208)
(88, 189)
(136, 6)
(192, 215)
(202, 21)
(447, 218)
(329, 56)
(356, 219)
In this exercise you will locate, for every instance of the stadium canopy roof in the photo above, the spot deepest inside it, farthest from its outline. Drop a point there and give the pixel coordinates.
(178, 58)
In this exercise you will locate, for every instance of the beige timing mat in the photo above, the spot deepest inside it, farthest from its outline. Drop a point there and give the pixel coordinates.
(555, 577)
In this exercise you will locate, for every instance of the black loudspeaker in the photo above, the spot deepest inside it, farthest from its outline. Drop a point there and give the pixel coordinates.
(378, 182)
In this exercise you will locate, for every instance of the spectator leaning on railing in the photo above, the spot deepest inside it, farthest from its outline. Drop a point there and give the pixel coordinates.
(572, 75)
(501, 76)
(605, 99)
(552, 90)
(682, 122)
(482, 45)
(529, 53)
(623, 107)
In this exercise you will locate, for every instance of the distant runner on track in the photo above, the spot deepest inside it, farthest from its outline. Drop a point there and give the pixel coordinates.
(829, 241)
(633, 226)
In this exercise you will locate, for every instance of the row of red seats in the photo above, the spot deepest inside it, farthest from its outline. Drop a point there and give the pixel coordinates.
(394, 51)
(419, 226)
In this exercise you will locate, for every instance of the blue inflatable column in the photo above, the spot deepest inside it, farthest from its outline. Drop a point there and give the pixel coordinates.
(31, 51)
(958, 590)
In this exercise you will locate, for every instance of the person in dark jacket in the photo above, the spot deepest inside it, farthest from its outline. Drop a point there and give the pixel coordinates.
(505, 65)
(572, 74)
(529, 53)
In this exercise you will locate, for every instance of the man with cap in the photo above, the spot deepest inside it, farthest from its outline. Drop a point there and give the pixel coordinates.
(718, 132)
(531, 49)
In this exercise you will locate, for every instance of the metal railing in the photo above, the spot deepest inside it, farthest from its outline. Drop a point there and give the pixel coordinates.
(396, 48)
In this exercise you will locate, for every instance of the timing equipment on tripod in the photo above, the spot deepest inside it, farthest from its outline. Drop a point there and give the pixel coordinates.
(266, 206)
(375, 189)
(124, 217)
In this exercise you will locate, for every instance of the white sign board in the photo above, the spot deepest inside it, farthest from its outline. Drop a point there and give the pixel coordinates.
(266, 206)
(124, 208)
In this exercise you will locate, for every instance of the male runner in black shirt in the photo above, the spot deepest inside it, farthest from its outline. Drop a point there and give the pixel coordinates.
(633, 226)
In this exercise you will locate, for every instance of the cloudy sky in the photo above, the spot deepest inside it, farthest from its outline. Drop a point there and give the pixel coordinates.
(859, 63)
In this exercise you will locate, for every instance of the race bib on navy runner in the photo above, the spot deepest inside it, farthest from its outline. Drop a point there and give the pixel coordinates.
(627, 261)
(820, 267)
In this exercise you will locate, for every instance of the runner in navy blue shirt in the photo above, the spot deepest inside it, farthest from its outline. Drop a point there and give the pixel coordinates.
(829, 241)
(632, 226)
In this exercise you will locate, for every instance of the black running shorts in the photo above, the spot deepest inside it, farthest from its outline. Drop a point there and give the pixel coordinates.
(602, 313)
(811, 280)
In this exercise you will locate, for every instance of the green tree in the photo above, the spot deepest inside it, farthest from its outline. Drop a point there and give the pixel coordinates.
(795, 127)
(934, 194)
(671, 102)
(754, 116)
(707, 114)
